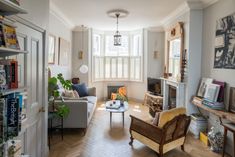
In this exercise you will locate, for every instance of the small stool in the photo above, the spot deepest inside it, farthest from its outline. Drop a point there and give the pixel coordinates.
(230, 127)
(51, 116)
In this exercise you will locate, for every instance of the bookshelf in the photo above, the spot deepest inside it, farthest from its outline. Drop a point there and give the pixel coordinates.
(4, 52)
(220, 113)
(9, 8)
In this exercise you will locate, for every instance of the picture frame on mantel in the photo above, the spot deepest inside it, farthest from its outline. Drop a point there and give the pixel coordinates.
(51, 49)
(64, 49)
(232, 100)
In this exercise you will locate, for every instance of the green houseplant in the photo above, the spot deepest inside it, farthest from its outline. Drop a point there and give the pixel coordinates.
(62, 110)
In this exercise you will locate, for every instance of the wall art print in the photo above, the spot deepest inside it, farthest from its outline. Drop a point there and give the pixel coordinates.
(225, 43)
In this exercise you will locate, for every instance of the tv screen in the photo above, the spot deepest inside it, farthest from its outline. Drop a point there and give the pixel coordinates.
(154, 86)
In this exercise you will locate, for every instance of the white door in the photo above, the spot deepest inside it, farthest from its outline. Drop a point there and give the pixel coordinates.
(31, 76)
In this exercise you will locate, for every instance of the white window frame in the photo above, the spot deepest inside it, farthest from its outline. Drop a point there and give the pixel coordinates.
(130, 35)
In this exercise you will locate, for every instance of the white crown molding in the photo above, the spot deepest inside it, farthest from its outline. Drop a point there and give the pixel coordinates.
(210, 3)
(185, 7)
(54, 10)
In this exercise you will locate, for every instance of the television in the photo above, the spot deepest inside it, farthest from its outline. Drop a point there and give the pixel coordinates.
(154, 86)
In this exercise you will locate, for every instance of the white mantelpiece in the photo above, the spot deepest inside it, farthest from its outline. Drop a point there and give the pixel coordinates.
(180, 92)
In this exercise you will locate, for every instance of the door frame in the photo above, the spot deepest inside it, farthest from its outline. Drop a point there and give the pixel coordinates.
(45, 148)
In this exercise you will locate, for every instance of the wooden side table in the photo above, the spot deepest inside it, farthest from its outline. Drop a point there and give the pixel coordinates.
(228, 127)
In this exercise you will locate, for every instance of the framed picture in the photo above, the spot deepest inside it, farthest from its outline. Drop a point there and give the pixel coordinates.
(232, 100)
(203, 85)
(225, 43)
(51, 51)
(64, 49)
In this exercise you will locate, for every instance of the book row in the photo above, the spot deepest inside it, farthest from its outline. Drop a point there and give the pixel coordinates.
(10, 116)
(8, 74)
(8, 36)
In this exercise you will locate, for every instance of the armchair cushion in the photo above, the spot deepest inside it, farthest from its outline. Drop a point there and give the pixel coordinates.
(81, 89)
(168, 115)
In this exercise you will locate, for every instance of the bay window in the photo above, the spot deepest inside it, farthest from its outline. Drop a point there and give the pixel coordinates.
(117, 63)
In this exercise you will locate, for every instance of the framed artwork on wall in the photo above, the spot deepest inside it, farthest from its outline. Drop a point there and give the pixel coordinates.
(64, 49)
(225, 43)
(232, 100)
(51, 49)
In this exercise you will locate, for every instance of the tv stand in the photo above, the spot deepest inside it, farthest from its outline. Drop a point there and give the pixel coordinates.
(154, 103)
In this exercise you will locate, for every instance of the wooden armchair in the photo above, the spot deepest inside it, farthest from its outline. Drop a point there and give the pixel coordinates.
(168, 134)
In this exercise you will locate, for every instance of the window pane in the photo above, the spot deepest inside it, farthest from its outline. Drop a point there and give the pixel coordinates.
(96, 42)
(120, 67)
(97, 73)
(111, 50)
(125, 68)
(114, 67)
(132, 68)
(101, 68)
(137, 68)
(136, 45)
(107, 68)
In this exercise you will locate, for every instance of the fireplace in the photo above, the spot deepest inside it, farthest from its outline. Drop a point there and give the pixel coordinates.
(172, 97)
(173, 94)
(112, 89)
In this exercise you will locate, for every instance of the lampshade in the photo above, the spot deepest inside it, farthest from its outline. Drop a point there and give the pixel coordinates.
(83, 69)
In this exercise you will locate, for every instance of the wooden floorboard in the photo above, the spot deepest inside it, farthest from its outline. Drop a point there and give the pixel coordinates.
(102, 141)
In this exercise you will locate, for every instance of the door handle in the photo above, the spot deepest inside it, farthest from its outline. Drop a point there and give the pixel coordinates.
(42, 109)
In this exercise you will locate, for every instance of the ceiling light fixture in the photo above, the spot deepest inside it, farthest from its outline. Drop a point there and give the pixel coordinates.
(118, 13)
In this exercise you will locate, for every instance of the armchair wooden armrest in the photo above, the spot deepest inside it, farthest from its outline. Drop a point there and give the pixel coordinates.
(146, 129)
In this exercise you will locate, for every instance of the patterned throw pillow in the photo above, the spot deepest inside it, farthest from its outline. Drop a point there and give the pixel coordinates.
(156, 119)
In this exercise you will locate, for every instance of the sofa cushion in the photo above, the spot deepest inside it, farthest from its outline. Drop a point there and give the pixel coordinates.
(168, 115)
(90, 107)
(81, 89)
(91, 99)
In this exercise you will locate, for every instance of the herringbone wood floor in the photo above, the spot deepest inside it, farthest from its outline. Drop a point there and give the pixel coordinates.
(102, 141)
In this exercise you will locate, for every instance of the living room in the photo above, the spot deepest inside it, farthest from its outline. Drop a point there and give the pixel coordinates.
(121, 78)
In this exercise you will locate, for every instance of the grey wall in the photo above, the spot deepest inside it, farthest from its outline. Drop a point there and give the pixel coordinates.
(220, 9)
(38, 12)
(156, 42)
(58, 29)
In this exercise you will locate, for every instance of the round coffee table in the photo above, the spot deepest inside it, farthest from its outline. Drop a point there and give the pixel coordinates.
(122, 109)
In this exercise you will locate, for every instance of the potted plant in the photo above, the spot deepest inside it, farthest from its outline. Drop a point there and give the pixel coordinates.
(61, 109)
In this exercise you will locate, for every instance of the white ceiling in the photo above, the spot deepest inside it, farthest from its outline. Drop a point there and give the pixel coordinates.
(92, 13)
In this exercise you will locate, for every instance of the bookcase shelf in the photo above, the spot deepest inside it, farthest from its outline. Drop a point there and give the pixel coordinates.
(10, 52)
(11, 91)
(9, 8)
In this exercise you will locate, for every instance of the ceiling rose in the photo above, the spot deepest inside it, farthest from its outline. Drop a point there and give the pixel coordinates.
(122, 13)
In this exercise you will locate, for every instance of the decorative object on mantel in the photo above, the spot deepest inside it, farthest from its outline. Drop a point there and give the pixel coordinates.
(183, 65)
(225, 43)
(215, 138)
(175, 55)
(232, 100)
(81, 52)
(117, 13)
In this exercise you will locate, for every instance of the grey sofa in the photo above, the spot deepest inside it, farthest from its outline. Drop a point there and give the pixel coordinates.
(81, 110)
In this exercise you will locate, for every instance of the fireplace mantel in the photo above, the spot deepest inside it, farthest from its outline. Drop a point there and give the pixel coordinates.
(180, 92)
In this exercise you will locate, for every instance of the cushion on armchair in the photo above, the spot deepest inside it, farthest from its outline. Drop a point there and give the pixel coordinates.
(81, 89)
(168, 115)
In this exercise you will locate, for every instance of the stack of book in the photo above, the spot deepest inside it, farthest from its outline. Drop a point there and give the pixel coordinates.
(198, 124)
(211, 94)
(8, 74)
(213, 105)
(10, 116)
